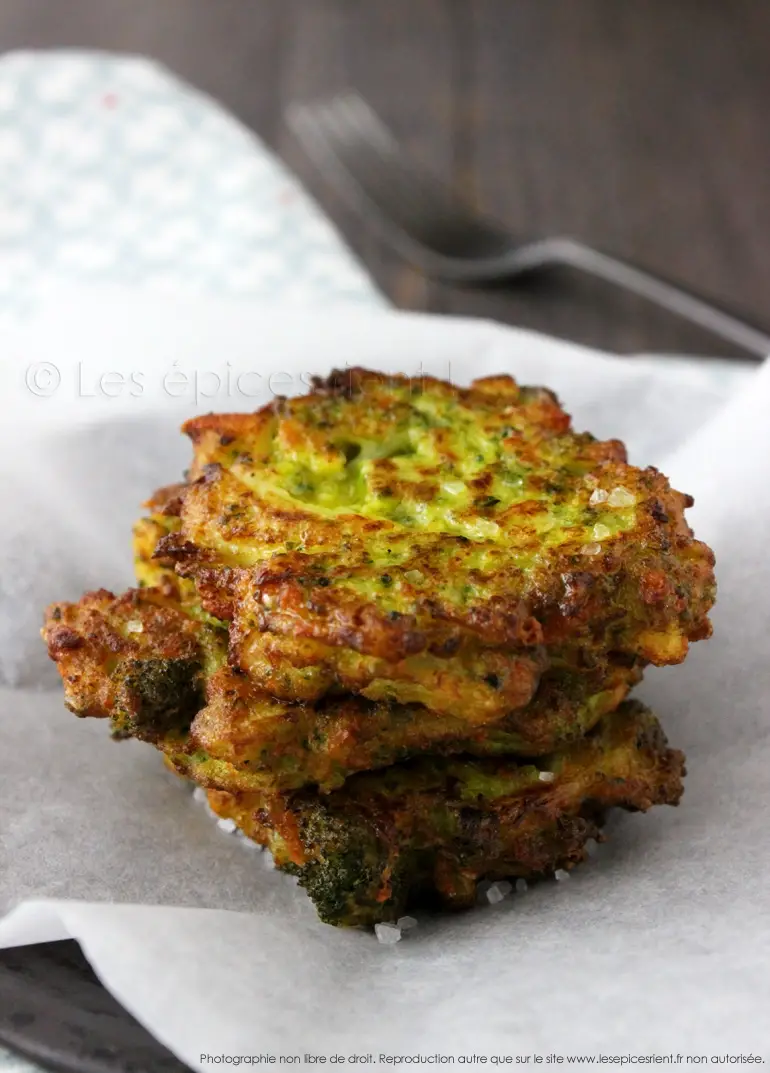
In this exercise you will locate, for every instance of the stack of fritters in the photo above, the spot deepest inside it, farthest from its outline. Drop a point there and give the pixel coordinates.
(391, 627)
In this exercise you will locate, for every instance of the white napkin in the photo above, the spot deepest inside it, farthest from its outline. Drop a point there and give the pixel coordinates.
(660, 945)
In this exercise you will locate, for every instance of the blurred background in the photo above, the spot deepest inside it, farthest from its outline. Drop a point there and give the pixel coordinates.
(639, 126)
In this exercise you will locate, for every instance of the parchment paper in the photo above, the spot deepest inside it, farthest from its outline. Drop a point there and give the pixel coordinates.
(658, 945)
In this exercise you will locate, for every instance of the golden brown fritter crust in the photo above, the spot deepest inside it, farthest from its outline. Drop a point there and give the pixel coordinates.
(135, 659)
(366, 852)
(389, 524)
(246, 740)
(126, 658)
(478, 685)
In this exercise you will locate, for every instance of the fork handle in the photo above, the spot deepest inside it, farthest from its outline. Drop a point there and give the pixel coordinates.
(669, 296)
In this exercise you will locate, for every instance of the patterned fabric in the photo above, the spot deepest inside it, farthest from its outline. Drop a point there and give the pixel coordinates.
(10, 1063)
(114, 171)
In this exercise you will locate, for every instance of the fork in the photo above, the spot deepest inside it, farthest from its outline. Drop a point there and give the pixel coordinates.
(431, 227)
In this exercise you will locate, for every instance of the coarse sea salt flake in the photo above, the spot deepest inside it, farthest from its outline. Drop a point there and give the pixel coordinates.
(620, 497)
(406, 923)
(546, 776)
(387, 934)
(199, 794)
(481, 891)
(598, 496)
(560, 874)
(601, 532)
(134, 627)
(228, 826)
(521, 886)
(592, 847)
(497, 892)
(591, 549)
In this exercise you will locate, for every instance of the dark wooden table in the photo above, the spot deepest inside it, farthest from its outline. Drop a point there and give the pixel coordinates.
(640, 126)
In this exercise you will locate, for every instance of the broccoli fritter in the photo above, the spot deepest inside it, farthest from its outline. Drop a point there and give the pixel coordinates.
(135, 659)
(245, 739)
(391, 626)
(158, 672)
(436, 827)
(477, 684)
(415, 541)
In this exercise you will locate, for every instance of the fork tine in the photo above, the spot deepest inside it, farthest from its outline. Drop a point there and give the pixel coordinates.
(431, 227)
(364, 118)
(318, 134)
(373, 159)
(427, 194)
(346, 136)
(327, 138)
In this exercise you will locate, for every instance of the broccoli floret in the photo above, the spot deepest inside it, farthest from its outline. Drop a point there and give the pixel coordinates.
(157, 697)
(348, 878)
(337, 884)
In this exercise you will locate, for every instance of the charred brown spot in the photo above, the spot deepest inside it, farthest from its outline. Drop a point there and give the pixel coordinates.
(168, 501)
(63, 639)
(658, 513)
(216, 589)
(340, 382)
(447, 647)
(276, 571)
(290, 516)
(481, 484)
(531, 633)
(171, 547)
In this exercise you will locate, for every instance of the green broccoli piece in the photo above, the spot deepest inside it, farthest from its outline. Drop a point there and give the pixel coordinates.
(157, 697)
(345, 878)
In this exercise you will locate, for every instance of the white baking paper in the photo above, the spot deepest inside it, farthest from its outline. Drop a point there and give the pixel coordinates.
(660, 945)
